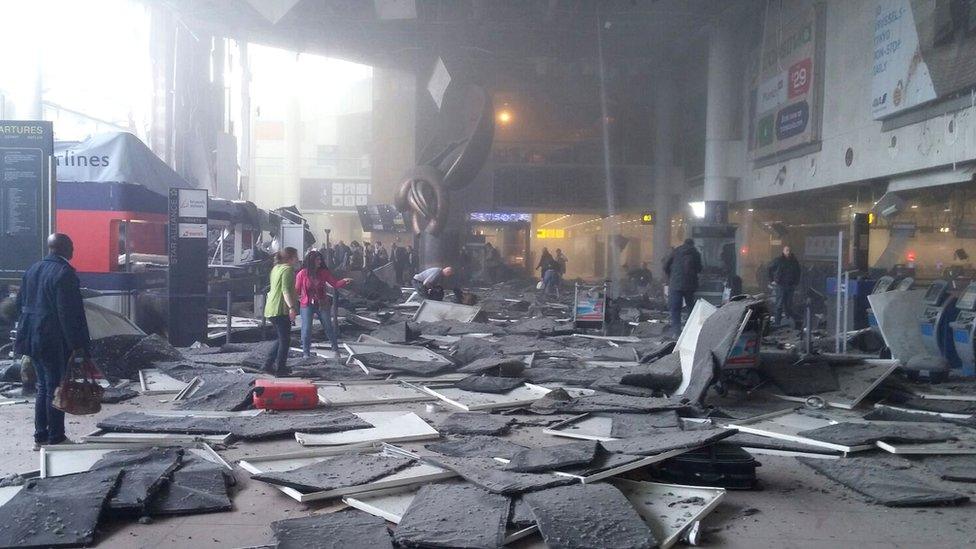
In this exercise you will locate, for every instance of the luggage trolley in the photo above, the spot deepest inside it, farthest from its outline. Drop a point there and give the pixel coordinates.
(590, 306)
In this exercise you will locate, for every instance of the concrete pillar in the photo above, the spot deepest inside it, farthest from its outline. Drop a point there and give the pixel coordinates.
(720, 120)
(288, 193)
(664, 132)
(394, 131)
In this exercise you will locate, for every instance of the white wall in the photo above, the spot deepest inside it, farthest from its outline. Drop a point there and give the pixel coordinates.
(847, 121)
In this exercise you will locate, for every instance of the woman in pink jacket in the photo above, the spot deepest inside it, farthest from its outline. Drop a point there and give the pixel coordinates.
(311, 285)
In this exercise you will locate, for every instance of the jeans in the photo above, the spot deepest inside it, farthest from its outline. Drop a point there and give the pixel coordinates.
(48, 421)
(308, 319)
(278, 354)
(550, 282)
(783, 303)
(677, 300)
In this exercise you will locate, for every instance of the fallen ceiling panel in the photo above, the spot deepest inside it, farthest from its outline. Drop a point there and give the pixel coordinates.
(883, 483)
(337, 530)
(454, 515)
(399, 426)
(57, 512)
(59, 460)
(855, 382)
(433, 311)
(588, 515)
(471, 401)
(155, 382)
(417, 473)
(166, 439)
(336, 472)
(688, 340)
(669, 509)
(392, 503)
(787, 424)
(475, 423)
(491, 475)
(343, 394)
(897, 315)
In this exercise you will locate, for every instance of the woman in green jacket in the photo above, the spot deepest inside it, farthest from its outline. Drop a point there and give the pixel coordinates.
(281, 308)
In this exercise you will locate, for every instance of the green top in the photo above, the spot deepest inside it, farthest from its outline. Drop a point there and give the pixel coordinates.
(282, 280)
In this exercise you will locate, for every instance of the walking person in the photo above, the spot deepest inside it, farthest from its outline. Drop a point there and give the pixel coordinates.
(682, 268)
(549, 270)
(315, 301)
(281, 308)
(51, 328)
(561, 260)
(784, 276)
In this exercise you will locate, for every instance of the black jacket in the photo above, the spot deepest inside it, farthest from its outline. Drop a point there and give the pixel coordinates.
(52, 319)
(682, 268)
(784, 271)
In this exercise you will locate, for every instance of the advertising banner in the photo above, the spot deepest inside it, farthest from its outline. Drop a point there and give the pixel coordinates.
(785, 97)
(923, 50)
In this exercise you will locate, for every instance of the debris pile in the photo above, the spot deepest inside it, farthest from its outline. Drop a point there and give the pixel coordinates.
(478, 426)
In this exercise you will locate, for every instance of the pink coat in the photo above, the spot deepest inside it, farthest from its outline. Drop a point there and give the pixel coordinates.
(312, 291)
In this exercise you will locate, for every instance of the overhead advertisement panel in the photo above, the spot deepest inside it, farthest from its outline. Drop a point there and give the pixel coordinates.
(786, 87)
(923, 50)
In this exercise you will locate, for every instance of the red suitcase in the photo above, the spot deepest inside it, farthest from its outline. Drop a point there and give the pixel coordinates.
(272, 394)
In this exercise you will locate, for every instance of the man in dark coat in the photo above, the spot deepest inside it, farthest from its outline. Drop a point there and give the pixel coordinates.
(682, 268)
(51, 327)
(784, 276)
(401, 263)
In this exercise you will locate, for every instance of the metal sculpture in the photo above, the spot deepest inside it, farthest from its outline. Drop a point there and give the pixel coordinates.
(453, 158)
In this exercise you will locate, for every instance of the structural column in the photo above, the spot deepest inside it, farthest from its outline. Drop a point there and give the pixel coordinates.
(720, 121)
(663, 112)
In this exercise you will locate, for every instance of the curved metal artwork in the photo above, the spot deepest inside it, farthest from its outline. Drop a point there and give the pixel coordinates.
(453, 158)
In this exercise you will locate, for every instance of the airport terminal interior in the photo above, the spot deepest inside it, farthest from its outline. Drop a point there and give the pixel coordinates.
(470, 273)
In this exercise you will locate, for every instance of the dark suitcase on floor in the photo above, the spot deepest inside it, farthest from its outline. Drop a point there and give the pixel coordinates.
(719, 465)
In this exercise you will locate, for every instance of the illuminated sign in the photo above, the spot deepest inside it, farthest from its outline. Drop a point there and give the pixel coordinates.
(499, 217)
(647, 218)
(550, 233)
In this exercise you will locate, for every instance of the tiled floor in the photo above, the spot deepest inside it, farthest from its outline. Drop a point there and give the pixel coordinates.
(797, 508)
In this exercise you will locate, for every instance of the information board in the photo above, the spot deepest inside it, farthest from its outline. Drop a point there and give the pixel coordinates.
(26, 148)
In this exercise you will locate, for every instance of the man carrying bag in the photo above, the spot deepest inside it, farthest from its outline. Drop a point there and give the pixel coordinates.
(51, 328)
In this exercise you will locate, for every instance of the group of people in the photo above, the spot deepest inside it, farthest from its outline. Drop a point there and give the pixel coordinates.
(311, 290)
(52, 327)
(684, 265)
(368, 255)
(552, 268)
(307, 292)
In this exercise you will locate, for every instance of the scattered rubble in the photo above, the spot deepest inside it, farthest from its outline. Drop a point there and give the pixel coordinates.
(516, 369)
